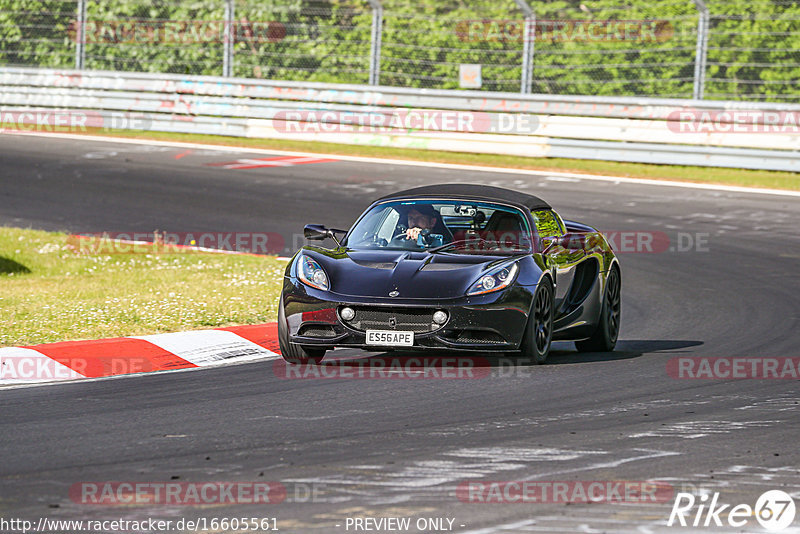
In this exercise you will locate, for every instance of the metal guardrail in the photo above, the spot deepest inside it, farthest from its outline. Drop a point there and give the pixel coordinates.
(607, 128)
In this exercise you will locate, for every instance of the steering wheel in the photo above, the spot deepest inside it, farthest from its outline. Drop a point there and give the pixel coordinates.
(373, 240)
(400, 241)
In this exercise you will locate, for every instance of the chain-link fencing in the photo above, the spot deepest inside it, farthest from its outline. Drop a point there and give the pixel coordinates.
(754, 50)
(38, 33)
(710, 49)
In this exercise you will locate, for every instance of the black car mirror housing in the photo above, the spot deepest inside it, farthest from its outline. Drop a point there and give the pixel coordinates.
(318, 232)
(315, 232)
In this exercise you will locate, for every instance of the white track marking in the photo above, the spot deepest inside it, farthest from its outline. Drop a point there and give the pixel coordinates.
(208, 347)
(388, 161)
(784, 404)
(700, 429)
(522, 454)
(20, 384)
(649, 455)
(22, 367)
(247, 163)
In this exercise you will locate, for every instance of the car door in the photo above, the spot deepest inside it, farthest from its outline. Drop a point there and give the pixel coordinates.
(560, 253)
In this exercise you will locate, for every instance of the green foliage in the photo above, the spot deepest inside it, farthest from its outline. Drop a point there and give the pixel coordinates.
(119, 38)
(754, 50)
(753, 45)
(37, 32)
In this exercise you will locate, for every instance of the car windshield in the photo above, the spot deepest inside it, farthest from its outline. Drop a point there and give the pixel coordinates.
(454, 226)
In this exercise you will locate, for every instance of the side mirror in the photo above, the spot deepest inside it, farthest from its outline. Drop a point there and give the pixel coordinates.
(315, 232)
(318, 232)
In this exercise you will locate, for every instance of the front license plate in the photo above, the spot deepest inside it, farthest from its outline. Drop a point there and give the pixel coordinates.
(390, 337)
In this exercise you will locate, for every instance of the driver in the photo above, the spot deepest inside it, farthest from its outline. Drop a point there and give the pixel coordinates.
(421, 217)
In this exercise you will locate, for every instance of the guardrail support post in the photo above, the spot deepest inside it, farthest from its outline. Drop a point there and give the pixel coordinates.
(80, 36)
(375, 42)
(229, 41)
(528, 45)
(701, 54)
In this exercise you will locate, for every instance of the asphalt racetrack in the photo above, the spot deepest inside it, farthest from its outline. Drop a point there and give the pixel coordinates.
(728, 285)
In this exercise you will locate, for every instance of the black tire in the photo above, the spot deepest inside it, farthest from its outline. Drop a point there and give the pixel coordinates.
(291, 352)
(604, 338)
(539, 331)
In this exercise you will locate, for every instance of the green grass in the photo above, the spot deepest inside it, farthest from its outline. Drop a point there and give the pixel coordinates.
(49, 293)
(710, 175)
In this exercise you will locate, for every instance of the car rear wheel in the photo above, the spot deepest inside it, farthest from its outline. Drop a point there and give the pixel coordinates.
(292, 352)
(539, 330)
(604, 338)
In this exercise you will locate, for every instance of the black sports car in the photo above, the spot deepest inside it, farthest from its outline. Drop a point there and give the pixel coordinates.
(452, 267)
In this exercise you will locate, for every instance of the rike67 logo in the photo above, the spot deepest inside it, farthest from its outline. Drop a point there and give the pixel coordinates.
(774, 510)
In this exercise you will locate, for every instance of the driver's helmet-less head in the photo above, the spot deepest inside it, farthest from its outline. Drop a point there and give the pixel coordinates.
(427, 211)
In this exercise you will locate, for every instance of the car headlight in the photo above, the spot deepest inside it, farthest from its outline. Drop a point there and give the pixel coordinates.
(494, 280)
(310, 273)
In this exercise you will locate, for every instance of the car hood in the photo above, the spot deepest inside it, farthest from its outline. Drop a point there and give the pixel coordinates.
(414, 275)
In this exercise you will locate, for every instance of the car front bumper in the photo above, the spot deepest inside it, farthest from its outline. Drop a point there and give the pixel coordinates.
(490, 322)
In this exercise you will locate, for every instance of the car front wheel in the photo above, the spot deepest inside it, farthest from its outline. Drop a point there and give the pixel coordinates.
(539, 330)
(292, 352)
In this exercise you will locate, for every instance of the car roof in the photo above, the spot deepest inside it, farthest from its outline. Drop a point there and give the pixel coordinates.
(471, 192)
